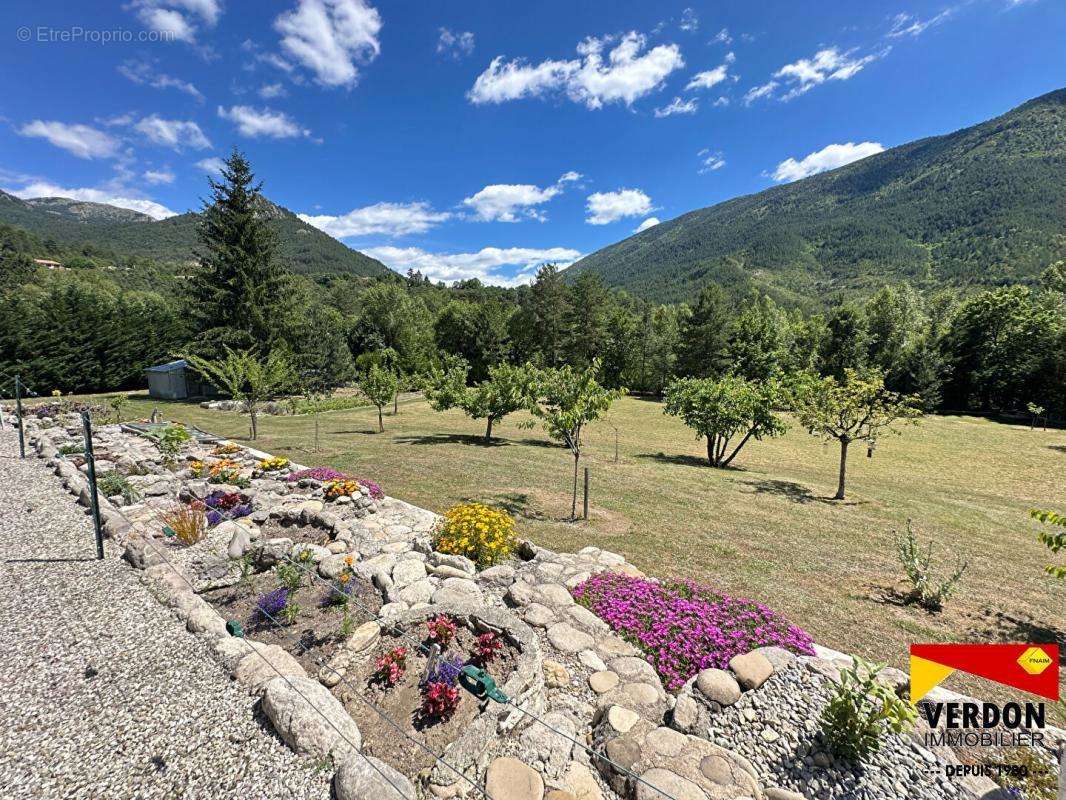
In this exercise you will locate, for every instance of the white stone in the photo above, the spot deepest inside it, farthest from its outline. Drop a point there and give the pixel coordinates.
(310, 719)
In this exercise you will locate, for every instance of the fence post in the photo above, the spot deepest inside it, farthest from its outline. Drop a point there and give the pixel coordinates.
(586, 507)
(18, 412)
(94, 498)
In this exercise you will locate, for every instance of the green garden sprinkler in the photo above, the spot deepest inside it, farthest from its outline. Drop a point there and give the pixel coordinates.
(484, 685)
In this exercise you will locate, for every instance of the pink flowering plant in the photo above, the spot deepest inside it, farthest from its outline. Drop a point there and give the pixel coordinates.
(683, 626)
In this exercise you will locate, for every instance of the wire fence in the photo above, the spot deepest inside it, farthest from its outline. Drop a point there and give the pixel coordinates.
(300, 648)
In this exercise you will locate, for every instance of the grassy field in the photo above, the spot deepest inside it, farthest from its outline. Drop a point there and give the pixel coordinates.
(763, 530)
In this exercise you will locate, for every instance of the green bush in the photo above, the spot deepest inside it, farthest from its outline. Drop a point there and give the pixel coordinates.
(309, 405)
(112, 483)
(861, 711)
(924, 590)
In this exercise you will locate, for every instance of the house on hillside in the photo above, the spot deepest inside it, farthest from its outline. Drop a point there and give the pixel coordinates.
(47, 264)
(176, 380)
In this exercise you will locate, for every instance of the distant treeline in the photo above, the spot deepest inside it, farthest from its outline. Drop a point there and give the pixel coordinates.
(89, 329)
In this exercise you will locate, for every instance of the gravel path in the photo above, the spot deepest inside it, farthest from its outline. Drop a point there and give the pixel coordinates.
(102, 691)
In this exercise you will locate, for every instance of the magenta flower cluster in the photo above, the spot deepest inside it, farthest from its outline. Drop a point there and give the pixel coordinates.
(318, 474)
(373, 487)
(683, 626)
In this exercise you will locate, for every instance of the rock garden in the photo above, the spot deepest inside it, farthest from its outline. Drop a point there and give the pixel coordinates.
(440, 657)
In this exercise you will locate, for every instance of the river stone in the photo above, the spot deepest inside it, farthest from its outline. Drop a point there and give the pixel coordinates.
(272, 551)
(591, 660)
(254, 671)
(555, 674)
(718, 686)
(568, 639)
(361, 777)
(363, 637)
(582, 783)
(510, 779)
(622, 719)
(310, 719)
(559, 794)
(752, 669)
(407, 572)
(602, 682)
(332, 566)
(672, 784)
(317, 552)
(538, 616)
(418, 592)
(553, 595)
(776, 793)
(502, 575)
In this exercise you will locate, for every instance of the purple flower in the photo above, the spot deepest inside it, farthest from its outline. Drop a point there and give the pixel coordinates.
(447, 670)
(318, 474)
(269, 605)
(374, 488)
(214, 517)
(683, 626)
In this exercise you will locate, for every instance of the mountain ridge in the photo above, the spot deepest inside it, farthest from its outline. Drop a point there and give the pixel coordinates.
(982, 205)
(126, 233)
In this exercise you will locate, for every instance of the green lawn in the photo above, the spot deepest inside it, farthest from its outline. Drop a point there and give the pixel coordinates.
(763, 530)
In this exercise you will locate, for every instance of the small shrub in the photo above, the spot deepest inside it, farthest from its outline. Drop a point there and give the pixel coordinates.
(340, 590)
(301, 405)
(389, 668)
(112, 483)
(861, 711)
(270, 606)
(486, 648)
(924, 590)
(189, 522)
(439, 701)
(71, 449)
(442, 630)
(482, 534)
(290, 573)
(169, 442)
(1054, 540)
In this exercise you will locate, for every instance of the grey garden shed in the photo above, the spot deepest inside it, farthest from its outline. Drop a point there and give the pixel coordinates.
(176, 380)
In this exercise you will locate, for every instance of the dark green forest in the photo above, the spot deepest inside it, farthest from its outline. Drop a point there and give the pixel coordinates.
(95, 325)
(984, 206)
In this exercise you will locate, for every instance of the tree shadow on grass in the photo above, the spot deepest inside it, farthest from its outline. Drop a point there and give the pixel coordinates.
(1060, 448)
(794, 492)
(373, 431)
(685, 461)
(451, 438)
(999, 626)
(517, 504)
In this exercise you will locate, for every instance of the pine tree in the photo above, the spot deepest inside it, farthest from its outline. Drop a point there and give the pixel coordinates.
(704, 335)
(238, 290)
(550, 309)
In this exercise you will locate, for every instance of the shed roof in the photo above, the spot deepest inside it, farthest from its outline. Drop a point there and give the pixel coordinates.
(170, 366)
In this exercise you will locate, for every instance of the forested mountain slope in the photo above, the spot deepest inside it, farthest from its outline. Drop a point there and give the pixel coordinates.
(982, 206)
(121, 232)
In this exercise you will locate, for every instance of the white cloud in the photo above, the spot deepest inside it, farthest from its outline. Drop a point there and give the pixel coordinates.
(722, 37)
(690, 23)
(650, 222)
(710, 160)
(269, 91)
(627, 73)
(721, 101)
(177, 18)
(391, 219)
(677, 106)
(256, 122)
(757, 92)
(485, 264)
(509, 202)
(330, 36)
(606, 207)
(80, 140)
(910, 25)
(174, 133)
(829, 64)
(143, 73)
(155, 176)
(712, 77)
(455, 44)
(829, 157)
(122, 200)
(212, 165)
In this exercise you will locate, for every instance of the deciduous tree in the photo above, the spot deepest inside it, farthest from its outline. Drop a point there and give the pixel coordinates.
(247, 378)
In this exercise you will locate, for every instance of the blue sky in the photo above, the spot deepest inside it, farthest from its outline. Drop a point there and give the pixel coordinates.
(478, 139)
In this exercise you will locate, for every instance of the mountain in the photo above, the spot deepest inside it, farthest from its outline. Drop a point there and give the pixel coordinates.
(121, 232)
(983, 205)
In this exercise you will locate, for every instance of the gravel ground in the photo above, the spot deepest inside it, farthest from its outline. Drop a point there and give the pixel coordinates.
(102, 691)
(787, 751)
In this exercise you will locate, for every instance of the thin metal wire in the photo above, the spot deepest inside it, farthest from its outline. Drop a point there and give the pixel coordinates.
(396, 628)
(392, 723)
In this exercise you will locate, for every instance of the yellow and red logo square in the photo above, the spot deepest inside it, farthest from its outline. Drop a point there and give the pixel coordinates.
(1030, 667)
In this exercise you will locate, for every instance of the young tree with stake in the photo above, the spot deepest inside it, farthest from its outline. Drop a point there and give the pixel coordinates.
(859, 408)
(247, 378)
(566, 401)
